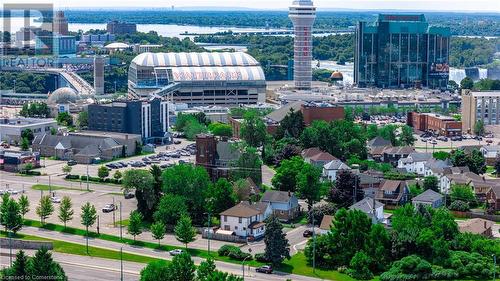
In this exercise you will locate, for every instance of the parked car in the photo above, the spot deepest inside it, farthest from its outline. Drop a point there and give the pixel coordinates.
(307, 233)
(12, 191)
(71, 163)
(442, 138)
(55, 199)
(265, 269)
(177, 142)
(176, 252)
(109, 208)
(456, 138)
(129, 195)
(5, 145)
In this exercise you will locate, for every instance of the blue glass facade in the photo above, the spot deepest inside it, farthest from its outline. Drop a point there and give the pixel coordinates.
(400, 51)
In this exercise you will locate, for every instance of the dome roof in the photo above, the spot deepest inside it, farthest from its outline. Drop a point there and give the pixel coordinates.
(204, 59)
(117, 45)
(337, 75)
(63, 95)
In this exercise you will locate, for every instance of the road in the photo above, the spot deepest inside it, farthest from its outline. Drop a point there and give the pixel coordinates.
(294, 236)
(223, 266)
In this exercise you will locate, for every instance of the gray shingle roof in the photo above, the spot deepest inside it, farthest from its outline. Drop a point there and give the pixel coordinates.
(279, 114)
(420, 156)
(244, 209)
(276, 196)
(428, 196)
(336, 165)
(366, 205)
(378, 141)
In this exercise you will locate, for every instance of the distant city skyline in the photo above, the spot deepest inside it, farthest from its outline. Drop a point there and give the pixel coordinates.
(413, 5)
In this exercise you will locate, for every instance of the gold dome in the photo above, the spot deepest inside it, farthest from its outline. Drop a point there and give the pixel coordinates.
(337, 75)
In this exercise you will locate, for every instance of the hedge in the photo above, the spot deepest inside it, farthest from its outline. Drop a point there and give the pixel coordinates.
(93, 179)
(233, 252)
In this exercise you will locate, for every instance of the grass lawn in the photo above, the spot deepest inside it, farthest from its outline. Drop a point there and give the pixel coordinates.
(300, 220)
(84, 182)
(77, 249)
(298, 265)
(151, 245)
(45, 187)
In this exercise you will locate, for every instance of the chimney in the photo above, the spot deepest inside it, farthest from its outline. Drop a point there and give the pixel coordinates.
(485, 225)
(373, 211)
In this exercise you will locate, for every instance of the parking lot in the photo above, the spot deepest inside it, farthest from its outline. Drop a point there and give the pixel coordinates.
(430, 144)
(164, 156)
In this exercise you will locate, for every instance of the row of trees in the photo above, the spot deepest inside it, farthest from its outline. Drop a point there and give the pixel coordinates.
(39, 267)
(423, 244)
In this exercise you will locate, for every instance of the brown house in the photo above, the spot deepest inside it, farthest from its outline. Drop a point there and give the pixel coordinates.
(393, 193)
(493, 197)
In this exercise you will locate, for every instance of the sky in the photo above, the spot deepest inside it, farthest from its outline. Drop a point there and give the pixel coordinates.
(416, 5)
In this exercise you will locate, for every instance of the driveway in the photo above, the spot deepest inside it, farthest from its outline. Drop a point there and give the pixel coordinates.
(295, 239)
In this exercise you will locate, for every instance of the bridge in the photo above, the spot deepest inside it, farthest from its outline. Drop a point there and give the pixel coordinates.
(65, 78)
(268, 32)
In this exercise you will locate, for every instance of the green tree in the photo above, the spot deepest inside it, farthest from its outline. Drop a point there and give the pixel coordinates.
(285, 178)
(477, 163)
(83, 120)
(184, 231)
(182, 267)
(158, 231)
(346, 185)
(134, 227)
(205, 269)
(170, 209)
(359, 266)
(156, 271)
(220, 129)
(406, 137)
(221, 196)
(308, 184)
(45, 208)
(292, 125)
(277, 246)
(467, 83)
(20, 269)
(24, 205)
(431, 182)
(27, 134)
(143, 183)
(64, 119)
(156, 172)
(248, 165)
(253, 130)
(102, 172)
(462, 193)
(117, 175)
(45, 268)
(88, 218)
(66, 169)
(66, 210)
(479, 128)
(25, 144)
(441, 155)
(11, 217)
(190, 182)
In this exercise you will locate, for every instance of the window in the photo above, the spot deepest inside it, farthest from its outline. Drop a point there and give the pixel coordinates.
(236, 228)
(240, 220)
(244, 228)
(225, 218)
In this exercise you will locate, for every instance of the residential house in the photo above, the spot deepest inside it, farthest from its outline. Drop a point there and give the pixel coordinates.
(393, 154)
(493, 197)
(376, 147)
(370, 184)
(490, 153)
(415, 162)
(481, 186)
(326, 224)
(453, 175)
(477, 226)
(284, 205)
(393, 193)
(317, 157)
(435, 167)
(331, 168)
(372, 208)
(246, 220)
(429, 198)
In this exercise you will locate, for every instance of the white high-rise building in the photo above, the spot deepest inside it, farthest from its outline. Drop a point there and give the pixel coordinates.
(302, 13)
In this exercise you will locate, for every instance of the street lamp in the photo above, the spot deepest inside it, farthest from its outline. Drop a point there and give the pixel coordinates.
(208, 233)
(87, 177)
(121, 263)
(243, 263)
(121, 235)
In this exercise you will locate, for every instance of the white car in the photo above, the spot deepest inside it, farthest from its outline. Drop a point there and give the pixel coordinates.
(55, 199)
(12, 191)
(176, 252)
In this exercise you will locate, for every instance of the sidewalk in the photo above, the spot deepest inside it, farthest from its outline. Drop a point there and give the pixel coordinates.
(223, 266)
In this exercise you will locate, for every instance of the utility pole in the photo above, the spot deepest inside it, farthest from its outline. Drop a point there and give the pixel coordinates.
(10, 247)
(208, 234)
(98, 225)
(114, 209)
(314, 240)
(88, 177)
(121, 263)
(494, 267)
(121, 235)
(50, 186)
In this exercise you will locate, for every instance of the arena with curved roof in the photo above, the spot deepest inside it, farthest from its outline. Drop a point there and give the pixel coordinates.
(225, 78)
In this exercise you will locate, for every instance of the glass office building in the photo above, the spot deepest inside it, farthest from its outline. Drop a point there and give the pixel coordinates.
(401, 51)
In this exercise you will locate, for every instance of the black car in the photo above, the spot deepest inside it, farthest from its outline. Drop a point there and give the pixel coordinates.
(71, 163)
(265, 269)
(307, 233)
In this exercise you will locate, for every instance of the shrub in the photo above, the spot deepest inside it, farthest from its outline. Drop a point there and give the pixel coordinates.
(459, 205)
(225, 249)
(410, 268)
(261, 257)
(233, 252)
(72, 177)
(359, 267)
(439, 273)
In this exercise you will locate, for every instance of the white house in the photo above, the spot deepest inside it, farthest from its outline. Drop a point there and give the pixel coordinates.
(331, 168)
(326, 224)
(415, 162)
(245, 219)
(490, 152)
(372, 208)
(435, 167)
